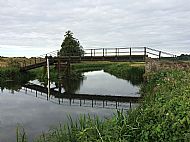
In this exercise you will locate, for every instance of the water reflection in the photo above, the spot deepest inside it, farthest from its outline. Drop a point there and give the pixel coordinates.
(91, 86)
(15, 85)
(96, 93)
(77, 83)
(77, 99)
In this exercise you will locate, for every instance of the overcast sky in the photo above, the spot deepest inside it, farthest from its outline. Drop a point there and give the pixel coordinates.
(34, 27)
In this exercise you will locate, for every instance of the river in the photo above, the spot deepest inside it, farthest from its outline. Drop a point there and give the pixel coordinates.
(37, 113)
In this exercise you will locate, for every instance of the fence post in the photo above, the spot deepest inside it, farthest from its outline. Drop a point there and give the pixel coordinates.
(103, 52)
(144, 53)
(160, 54)
(48, 75)
(94, 52)
(35, 60)
(115, 51)
(91, 52)
(130, 54)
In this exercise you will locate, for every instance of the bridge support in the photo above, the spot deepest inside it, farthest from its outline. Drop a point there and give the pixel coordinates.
(48, 76)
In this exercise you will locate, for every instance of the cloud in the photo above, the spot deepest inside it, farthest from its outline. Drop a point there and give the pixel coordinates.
(41, 24)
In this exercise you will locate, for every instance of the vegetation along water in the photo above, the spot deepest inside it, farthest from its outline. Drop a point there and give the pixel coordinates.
(163, 114)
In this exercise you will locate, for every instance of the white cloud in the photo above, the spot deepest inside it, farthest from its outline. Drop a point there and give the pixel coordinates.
(40, 25)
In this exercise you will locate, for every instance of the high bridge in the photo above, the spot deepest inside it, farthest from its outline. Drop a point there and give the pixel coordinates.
(137, 54)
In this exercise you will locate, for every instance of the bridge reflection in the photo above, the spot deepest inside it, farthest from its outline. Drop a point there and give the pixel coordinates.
(85, 100)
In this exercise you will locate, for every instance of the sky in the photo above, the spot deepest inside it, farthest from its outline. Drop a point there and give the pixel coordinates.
(34, 27)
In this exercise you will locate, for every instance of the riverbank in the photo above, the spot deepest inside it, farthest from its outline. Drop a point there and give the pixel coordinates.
(162, 116)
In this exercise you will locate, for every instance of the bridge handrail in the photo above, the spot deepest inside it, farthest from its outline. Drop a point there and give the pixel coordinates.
(104, 52)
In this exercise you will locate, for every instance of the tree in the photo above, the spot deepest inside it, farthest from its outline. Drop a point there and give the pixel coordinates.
(71, 46)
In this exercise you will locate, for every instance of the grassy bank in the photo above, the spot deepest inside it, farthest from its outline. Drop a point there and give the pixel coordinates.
(132, 72)
(164, 114)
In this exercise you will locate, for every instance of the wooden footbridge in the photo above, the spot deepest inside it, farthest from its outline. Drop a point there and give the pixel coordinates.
(137, 54)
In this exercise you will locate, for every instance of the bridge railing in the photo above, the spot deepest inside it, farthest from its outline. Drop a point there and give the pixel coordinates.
(153, 53)
(114, 51)
(38, 59)
(104, 52)
(129, 51)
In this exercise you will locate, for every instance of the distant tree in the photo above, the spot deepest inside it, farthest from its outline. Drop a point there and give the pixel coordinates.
(184, 57)
(71, 46)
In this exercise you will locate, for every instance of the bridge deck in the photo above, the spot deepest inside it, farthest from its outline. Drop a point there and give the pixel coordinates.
(76, 59)
(103, 54)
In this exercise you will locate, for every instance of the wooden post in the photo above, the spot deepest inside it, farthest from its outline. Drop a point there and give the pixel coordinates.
(59, 68)
(130, 54)
(94, 52)
(103, 52)
(115, 51)
(91, 52)
(35, 60)
(160, 54)
(144, 53)
(48, 76)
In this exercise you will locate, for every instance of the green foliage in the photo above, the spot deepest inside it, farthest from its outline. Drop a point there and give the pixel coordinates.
(184, 57)
(71, 46)
(164, 114)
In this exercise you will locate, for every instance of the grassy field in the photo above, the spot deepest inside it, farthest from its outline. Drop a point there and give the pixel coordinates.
(17, 61)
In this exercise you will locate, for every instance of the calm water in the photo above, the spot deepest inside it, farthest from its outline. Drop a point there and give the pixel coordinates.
(36, 114)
